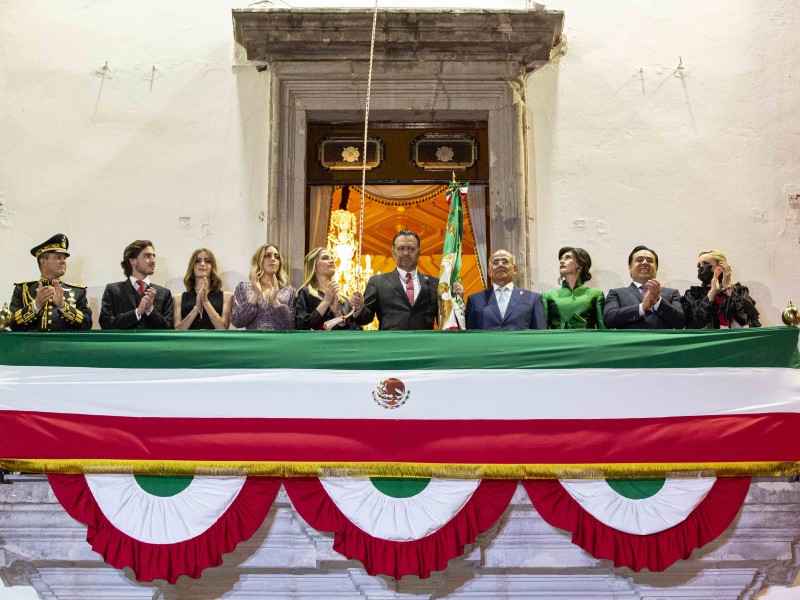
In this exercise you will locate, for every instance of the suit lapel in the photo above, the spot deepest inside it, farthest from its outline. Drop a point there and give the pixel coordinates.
(636, 292)
(513, 301)
(491, 302)
(424, 296)
(130, 293)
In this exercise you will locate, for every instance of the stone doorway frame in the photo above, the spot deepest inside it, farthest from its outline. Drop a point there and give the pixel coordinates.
(424, 71)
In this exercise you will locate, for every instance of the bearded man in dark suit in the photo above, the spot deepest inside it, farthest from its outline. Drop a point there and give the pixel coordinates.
(403, 298)
(136, 303)
(644, 304)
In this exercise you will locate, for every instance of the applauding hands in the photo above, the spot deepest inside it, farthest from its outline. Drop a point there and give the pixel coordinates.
(652, 293)
(146, 303)
(267, 290)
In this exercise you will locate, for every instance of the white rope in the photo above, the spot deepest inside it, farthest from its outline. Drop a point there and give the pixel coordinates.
(364, 157)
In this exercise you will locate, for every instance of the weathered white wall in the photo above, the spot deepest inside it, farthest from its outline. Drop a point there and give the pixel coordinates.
(685, 163)
(136, 153)
(682, 163)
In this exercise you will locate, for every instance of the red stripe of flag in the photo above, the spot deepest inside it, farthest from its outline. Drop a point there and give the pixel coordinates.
(706, 439)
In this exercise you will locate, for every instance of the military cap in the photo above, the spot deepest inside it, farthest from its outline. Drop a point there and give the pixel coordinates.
(58, 243)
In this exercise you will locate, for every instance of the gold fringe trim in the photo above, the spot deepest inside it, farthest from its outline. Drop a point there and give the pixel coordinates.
(390, 202)
(441, 470)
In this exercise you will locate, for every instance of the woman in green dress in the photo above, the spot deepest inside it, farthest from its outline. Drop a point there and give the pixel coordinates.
(574, 306)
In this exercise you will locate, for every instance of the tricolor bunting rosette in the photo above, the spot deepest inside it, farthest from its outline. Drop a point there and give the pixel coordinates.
(451, 307)
(397, 526)
(515, 405)
(640, 523)
(165, 527)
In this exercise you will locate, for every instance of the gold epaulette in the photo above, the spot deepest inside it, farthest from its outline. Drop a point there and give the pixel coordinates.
(75, 285)
(24, 282)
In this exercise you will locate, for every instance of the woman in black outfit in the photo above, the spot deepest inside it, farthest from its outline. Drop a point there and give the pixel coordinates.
(203, 305)
(718, 303)
(320, 305)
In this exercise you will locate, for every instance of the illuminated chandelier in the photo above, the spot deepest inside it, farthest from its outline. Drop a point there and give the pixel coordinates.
(342, 230)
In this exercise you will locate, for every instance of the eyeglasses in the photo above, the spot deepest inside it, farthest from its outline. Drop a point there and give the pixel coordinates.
(500, 261)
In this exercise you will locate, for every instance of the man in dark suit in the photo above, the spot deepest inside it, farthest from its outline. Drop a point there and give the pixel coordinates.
(403, 298)
(644, 304)
(504, 306)
(136, 303)
(48, 303)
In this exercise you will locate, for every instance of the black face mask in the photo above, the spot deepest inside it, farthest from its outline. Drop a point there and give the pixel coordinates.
(705, 274)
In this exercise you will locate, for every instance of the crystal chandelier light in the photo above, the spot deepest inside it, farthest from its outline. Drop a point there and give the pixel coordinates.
(342, 243)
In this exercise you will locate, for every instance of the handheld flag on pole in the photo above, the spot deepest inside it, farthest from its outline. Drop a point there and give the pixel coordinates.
(451, 307)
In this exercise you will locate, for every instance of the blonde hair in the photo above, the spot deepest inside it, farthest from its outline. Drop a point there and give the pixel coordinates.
(258, 260)
(717, 256)
(310, 274)
(214, 280)
(310, 268)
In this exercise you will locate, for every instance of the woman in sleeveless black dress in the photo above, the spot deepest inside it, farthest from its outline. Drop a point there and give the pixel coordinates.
(203, 305)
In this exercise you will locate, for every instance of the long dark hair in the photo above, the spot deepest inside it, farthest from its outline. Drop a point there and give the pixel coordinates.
(214, 280)
(584, 261)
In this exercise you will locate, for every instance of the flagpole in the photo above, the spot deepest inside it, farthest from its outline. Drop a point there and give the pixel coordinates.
(451, 308)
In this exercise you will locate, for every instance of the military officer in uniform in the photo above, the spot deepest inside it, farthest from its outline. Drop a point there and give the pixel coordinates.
(49, 304)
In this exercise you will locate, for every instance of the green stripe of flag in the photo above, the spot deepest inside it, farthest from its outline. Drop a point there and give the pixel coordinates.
(763, 347)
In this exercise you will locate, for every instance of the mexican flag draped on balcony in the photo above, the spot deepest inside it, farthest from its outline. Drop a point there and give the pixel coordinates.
(515, 405)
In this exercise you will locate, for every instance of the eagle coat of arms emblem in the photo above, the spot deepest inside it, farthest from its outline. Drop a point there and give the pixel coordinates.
(391, 393)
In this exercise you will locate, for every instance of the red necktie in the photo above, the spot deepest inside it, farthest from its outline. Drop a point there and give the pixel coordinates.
(140, 285)
(410, 289)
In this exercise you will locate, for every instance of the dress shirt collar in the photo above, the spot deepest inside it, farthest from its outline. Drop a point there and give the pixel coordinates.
(509, 286)
(403, 273)
(133, 281)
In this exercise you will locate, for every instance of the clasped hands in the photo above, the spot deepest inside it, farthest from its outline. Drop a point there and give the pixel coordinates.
(53, 293)
(652, 293)
(146, 303)
(723, 269)
(202, 296)
(330, 300)
(268, 290)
